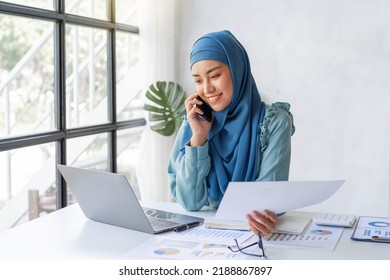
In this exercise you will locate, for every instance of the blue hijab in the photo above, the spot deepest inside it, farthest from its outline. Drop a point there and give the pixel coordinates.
(233, 138)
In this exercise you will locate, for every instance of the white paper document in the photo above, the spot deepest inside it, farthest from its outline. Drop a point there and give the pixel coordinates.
(170, 248)
(375, 229)
(242, 198)
(196, 244)
(318, 237)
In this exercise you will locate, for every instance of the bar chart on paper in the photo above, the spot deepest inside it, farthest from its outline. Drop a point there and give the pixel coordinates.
(377, 228)
(197, 243)
(320, 237)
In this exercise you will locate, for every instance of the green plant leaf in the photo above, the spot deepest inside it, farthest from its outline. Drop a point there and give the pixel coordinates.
(167, 109)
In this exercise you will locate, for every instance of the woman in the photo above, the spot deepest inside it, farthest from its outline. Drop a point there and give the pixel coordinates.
(246, 140)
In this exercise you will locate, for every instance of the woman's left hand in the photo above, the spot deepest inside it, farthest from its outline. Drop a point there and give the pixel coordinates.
(262, 223)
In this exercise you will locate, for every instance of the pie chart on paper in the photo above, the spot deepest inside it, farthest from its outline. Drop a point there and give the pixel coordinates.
(321, 232)
(166, 251)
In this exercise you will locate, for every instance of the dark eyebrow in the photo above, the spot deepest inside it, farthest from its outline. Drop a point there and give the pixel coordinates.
(208, 71)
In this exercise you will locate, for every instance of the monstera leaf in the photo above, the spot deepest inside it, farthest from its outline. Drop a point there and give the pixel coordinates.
(167, 110)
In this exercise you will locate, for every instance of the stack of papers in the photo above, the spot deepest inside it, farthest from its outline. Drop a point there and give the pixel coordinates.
(292, 224)
(288, 223)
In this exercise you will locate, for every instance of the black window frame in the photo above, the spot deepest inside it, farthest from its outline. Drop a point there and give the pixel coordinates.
(62, 134)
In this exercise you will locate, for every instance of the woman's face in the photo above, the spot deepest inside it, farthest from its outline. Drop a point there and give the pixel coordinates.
(213, 83)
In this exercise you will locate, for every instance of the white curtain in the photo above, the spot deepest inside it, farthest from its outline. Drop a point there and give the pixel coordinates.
(157, 63)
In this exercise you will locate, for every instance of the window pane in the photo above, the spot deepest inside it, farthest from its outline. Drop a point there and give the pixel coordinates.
(27, 184)
(44, 4)
(97, 9)
(129, 103)
(26, 76)
(126, 11)
(86, 76)
(128, 154)
(88, 152)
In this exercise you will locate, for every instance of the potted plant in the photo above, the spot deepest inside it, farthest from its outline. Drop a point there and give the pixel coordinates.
(165, 107)
(168, 109)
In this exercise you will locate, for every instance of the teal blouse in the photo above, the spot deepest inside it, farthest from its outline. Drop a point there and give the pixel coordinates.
(187, 173)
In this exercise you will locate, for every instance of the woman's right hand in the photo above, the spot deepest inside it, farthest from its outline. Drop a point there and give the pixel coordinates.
(200, 127)
(262, 223)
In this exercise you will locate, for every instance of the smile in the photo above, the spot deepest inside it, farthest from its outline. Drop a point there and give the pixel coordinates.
(215, 98)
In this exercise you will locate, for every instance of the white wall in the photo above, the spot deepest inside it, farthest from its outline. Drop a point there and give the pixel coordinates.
(330, 60)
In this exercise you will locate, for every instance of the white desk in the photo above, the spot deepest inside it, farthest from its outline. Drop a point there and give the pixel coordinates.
(67, 234)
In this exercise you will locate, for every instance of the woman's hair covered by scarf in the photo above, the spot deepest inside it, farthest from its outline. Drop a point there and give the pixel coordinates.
(233, 138)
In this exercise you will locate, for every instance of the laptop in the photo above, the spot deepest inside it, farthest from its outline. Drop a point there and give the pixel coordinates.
(108, 198)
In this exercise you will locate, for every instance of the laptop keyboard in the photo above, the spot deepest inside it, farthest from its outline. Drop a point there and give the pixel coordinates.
(159, 224)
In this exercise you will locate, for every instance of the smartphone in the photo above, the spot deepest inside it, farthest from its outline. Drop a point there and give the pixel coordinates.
(207, 111)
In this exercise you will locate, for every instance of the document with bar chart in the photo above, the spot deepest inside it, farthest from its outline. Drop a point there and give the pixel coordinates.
(193, 244)
(375, 229)
(316, 237)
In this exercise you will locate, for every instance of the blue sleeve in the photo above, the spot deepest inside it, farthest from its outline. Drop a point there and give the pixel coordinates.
(187, 175)
(275, 139)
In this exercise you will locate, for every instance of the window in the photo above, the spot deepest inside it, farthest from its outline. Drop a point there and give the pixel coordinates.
(69, 94)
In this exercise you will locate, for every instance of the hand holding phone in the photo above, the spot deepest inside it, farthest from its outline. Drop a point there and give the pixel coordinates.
(207, 111)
